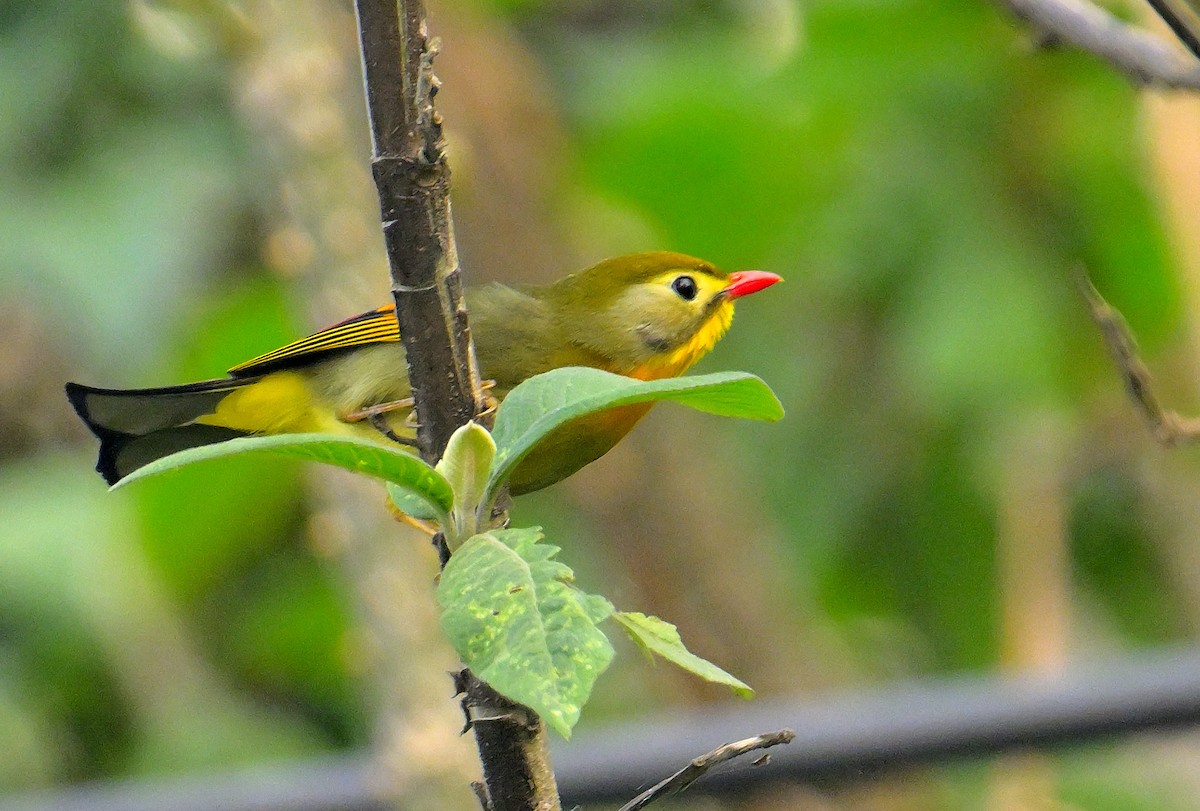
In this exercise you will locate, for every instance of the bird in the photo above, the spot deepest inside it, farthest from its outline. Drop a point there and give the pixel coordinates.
(645, 315)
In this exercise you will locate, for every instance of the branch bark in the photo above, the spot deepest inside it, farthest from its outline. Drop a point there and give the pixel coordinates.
(413, 179)
(1143, 56)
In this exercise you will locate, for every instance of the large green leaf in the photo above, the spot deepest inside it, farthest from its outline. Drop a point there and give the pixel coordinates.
(659, 636)
(359, 455)
(510, 612)
(546, 401)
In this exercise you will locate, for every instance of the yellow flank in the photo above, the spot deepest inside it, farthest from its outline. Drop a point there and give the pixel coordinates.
(280, 403)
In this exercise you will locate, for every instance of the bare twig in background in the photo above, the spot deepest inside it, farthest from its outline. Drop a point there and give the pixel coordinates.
(1182, 21)
(1169, 427)
(700, 766)
(413, 180)
(1140, 54)
(844, 738)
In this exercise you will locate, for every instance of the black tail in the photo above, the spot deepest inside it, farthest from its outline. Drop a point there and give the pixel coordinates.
(137, 426)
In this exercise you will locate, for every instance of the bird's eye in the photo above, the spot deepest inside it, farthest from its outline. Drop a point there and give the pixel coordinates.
(685, 286)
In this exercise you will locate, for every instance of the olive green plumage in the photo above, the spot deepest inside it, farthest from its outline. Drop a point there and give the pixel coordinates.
(646, 315)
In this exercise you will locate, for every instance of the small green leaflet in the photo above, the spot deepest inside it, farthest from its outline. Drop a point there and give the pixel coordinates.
(510, 612)
(661, 637)
(544, 402)
(466, 465)
(467, 461)
(406, 471)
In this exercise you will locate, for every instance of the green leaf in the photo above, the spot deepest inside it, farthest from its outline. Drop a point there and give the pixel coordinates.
(413, 505)
(466, 464)
(510, 612)
(467, 460)
(661, 637)
(546, 401)
(359, 455)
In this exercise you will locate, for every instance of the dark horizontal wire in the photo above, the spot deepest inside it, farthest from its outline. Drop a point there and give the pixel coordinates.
(839, 739)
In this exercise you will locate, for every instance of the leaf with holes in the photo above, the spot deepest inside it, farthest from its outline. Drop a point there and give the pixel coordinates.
(513, 616)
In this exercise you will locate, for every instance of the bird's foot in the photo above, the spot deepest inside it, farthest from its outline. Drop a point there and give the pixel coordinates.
(490, 403)
(376, 416)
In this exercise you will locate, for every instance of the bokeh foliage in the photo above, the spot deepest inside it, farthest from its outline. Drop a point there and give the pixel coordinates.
(924, 182)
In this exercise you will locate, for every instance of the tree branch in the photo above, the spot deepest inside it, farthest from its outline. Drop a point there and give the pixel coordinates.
(512, 747)
(1169, 428)
(1140, 54)
(700, 766)
(413, 180)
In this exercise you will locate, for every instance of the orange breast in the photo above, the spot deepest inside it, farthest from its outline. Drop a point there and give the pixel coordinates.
(585, 440)
(574, 445)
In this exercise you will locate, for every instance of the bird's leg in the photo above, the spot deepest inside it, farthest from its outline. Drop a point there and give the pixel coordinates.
(375, 415)
(377, 409)
(380, 424)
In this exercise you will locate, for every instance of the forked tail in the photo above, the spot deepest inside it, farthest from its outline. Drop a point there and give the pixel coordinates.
(137, 426)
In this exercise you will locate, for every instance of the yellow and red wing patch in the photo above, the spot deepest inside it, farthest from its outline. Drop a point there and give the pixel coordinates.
(374, 327)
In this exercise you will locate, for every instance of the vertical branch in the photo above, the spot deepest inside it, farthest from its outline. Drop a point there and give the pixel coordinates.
(320, 238)
(413, 180)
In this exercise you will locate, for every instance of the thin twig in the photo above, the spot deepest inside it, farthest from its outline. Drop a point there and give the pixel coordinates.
(700, 766)
(1180, 27)
(1141, 55)
(1168, 427)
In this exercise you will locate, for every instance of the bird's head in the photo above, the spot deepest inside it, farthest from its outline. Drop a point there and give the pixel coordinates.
(651, 314)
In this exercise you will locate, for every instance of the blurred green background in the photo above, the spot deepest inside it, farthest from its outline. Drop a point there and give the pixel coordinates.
(960, 484)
